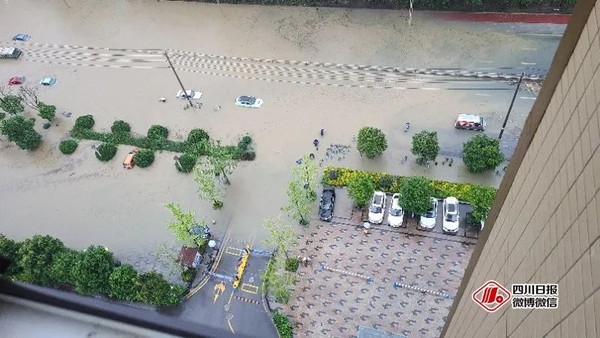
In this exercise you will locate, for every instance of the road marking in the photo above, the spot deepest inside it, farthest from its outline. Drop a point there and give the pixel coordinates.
(483, 94)
(534, 49)
(219, 289)
(253, 289)
(230, 327)
(230, 297)
(527, 98)
(541, 34)
(214, 267)
(528, 63)
(247, 300)
(234, 251)
(486, 61)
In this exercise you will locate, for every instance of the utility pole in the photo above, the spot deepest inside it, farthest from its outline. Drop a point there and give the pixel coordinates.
(410, 11)
(179, 80)
(511, 105)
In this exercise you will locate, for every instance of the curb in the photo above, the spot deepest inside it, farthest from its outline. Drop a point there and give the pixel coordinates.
(498, 17)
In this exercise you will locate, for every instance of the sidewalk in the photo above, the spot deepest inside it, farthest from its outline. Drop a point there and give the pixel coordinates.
(504, 17)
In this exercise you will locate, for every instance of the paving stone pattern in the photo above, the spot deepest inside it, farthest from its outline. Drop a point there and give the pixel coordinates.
(327, 301)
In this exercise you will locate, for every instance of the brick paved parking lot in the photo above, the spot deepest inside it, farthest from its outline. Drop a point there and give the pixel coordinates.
(351, 281)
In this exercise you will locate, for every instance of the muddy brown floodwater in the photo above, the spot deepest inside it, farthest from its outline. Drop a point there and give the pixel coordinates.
(108, 59)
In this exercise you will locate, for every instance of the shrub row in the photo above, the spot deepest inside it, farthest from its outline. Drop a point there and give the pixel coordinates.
(283, 325)
(339, 177)
(44, 260)
(457, 5)
(67, 146)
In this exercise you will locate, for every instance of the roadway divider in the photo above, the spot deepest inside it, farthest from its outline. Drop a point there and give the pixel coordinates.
(241, 267)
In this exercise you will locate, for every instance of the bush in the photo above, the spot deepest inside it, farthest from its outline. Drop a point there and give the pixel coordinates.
(248, 156)
(67, 146)
(361, 188)
(92, 271)
(106, 151)
(20, 130)
(62, 268)
(143, 158)
(482, 153)
(186, 163)
(47, 125)
(157, 132)
(283, 325)
(156, 290)
(9, 250)
(291, 264)
(85, 122)
(36, 255)
(2, 116)
(385, 182)
(120, 126)
(124, 283)
(197, 135)
(188, 275)
(217, 205)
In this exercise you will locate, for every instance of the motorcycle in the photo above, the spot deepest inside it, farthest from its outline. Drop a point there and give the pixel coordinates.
(406, 127)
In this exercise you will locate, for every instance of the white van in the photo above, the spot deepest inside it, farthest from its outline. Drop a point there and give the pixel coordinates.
(10, 53)
(471, 122)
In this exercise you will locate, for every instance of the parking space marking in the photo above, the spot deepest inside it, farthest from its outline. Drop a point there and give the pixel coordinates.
(247, 300)
(253, 289)
(234, 251)
(527, 98)
(528, 63)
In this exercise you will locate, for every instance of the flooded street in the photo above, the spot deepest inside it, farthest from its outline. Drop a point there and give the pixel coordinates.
(108, 58)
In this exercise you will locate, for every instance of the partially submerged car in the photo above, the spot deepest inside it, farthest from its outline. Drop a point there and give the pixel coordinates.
(128, 163)
(428, 219)
(21, 37)
(451, 215)
(189, 94)
(48, 81)
(377, 207)
(10, 53)
(16, 80)
(396, 214)
(327, 204)
(248, 101)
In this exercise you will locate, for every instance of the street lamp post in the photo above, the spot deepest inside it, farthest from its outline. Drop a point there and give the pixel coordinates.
(510, 107)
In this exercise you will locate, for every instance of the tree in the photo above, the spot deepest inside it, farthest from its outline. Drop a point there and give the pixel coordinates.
(20, 130)
(11, 104)
(416, 194)
(63, 266)
(67, 146)
(156, 290)
(281, 280)
(425, 146)
(197, 136)
(10, 249)
(143, 158)
(183, 225)
(46, 111)
(93, 269)
(299, 204)
(361, 188)
(482, 153)
(29, 96)
(481, 198)
(185, 163)
(120, 126)
(306, 174)
(222, 161)
(157, 132)
(208, 189)
(106, 151)
(36, 255)
(84, 122)
(124, 283)
(371, 142)
(280, 234)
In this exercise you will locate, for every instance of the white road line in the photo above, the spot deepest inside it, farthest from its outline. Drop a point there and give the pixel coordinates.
(483, 94)
(486, 61)
(528, 63)
(533, 49)
(527, 98)
(541, 34)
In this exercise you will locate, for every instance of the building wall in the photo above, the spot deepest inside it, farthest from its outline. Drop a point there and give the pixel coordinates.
(547, 221)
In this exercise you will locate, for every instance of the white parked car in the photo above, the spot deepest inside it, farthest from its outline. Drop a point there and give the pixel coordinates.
(248, 101)
(428, 219)
(189, 94)
(451, 215)
(377, 207)
(396, 214)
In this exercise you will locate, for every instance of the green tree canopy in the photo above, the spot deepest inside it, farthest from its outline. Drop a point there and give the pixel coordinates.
(124, 283)
(20, 130)
(299, 203)
(425, 146)
(183, 225)
(306, 174)
(371, 142)
(153, 288)
(11, 104)
(222, 160)
(93, 270)
(482, 153)
(280, 234)
(46, 111)
(416, 194)
(36, 254)
(10, 249)
(481, 198)
(208, 188)
(63, 266)
(361, 188)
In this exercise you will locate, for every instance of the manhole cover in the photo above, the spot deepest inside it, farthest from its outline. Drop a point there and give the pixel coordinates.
(229, 316)
(227, 307)
(251, 279)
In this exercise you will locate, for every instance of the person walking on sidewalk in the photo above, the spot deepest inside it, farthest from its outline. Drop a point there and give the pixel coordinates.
(316, 143)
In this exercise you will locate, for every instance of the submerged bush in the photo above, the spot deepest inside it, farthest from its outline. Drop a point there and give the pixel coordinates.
(67, 146)
(106, 152)
(85, 122)
(143, 158)
(186, 163)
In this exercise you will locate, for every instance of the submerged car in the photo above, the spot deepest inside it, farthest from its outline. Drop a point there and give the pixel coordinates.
(451, 215)
(189, 94)
(248, 101)
(327, 204)
(377, 207)
(428, 219)
(16, 80)
(48, 81)
(396, 214)
(21, 37)
(129, 163)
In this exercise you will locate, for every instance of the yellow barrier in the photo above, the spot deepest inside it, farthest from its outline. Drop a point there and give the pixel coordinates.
(241, 267)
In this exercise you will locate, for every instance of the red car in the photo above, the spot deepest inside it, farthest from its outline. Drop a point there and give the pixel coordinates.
(16, 80)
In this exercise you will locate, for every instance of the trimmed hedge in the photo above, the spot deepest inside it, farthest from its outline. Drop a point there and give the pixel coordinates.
(291, 264)
(67, 146)
(106, 151)
(186, 163)
(339, 177)
(85, 122)
(143, 158)
(197, 135)
(120, 126)
(157, 132)
(283, 325)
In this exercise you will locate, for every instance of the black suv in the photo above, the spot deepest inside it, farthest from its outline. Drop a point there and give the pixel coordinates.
(327, 202)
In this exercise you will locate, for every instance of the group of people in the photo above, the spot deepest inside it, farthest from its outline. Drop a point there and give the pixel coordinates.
(304, 260)
(316, 144)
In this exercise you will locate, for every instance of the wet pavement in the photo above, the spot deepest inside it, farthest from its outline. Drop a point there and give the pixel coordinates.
(386, 280)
